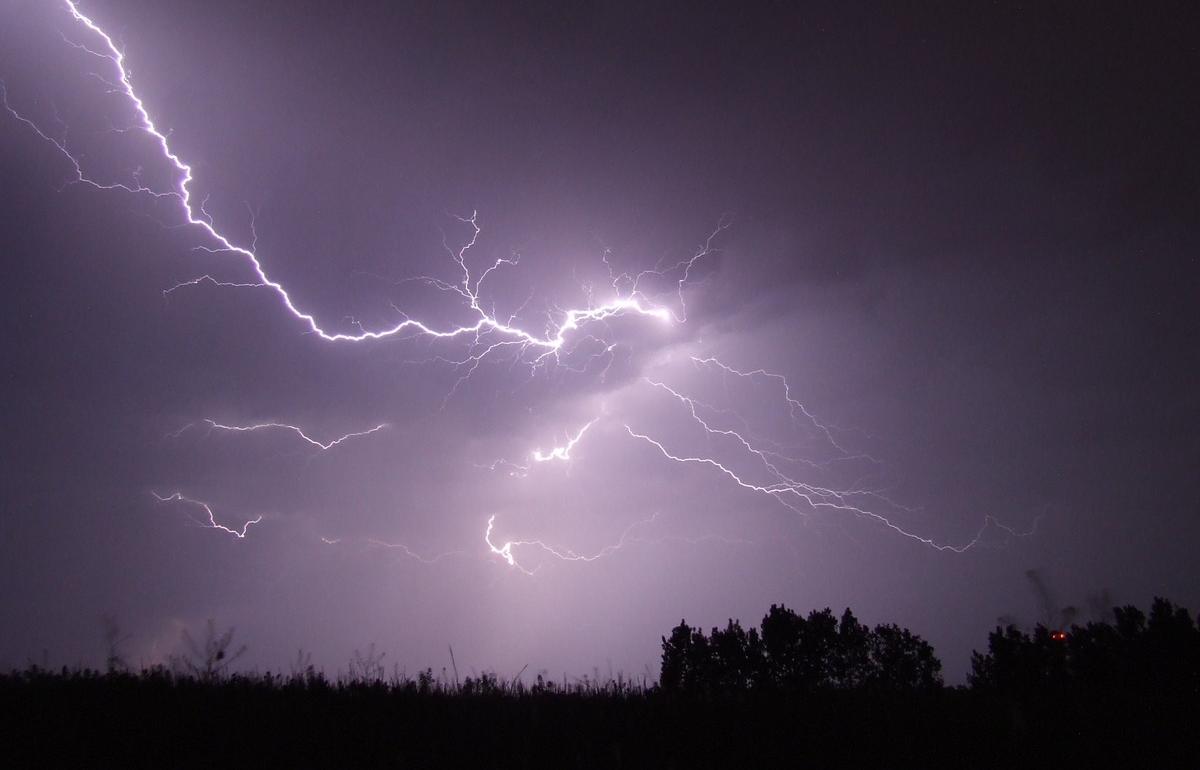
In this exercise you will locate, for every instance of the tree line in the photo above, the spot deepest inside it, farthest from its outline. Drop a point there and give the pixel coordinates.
(1159, 653)
(814, 690)
(798, 653)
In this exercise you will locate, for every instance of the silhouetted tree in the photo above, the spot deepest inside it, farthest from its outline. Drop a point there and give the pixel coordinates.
(1160, 653)
(798, 654)
(852, 666)
(732, 650)
(674, 674)
(902, 661)
(781, 646)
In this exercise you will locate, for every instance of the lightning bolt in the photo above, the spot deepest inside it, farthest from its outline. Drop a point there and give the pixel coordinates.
(627, 537)
(799, 496)
(629, 299)
(211, 523)
(563, 452)
(323, 445)
(505, 551)
(794, 406)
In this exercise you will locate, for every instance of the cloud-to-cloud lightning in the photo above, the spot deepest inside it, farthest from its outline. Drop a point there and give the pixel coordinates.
(794, 406)
(323, 445)
(505, 551)
(211, 522)
(800, 496)
(627, 537)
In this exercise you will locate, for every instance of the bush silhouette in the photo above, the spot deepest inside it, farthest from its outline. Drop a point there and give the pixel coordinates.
(211, 659)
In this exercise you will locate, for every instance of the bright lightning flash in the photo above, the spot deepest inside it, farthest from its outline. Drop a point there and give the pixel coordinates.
(487, 332)
(562, 452)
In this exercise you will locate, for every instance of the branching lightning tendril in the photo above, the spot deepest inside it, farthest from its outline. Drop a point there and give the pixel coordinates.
(797, 495)
(323, 445)
(632, 301)
(211, 521)
(626, 538)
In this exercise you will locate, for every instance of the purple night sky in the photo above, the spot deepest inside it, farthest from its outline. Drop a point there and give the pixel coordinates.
(791, 303)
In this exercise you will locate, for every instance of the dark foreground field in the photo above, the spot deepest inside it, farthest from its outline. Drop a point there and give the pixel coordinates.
(799, 691)
(157, 720)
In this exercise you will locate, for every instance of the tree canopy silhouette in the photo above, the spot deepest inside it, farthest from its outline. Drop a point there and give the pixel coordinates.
(1159, 653)
(796, 653)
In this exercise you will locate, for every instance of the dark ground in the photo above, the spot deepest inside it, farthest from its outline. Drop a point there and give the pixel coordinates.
(92, 720)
